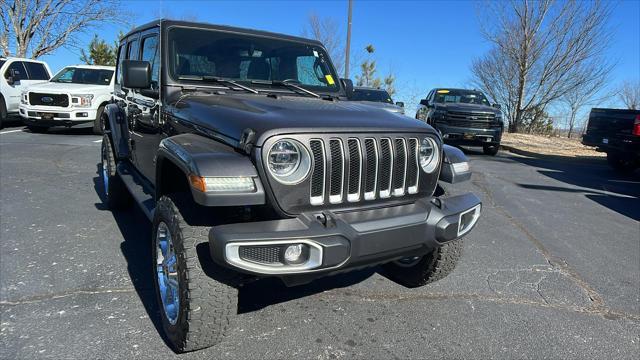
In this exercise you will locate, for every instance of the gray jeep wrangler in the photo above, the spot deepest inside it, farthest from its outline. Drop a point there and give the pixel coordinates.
(242, 149)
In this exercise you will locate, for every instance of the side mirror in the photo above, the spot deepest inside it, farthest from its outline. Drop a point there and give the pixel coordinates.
(400, 103)
(497, 106)
(13, 77)
(348, 86)
(136, 74)
(425, 102)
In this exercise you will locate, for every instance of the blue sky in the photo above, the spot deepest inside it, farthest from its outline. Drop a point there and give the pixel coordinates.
(424, 43)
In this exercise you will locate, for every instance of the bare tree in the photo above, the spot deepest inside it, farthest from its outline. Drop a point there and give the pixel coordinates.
(541, 51)
(34, 28)
(630, 94)
(328, 31)
(585, 94)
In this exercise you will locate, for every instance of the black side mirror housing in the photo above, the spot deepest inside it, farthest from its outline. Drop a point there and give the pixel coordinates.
(497, 106)
(13, 77)
(136, 74)
(425, 102)
(400, 103)
(348, 87)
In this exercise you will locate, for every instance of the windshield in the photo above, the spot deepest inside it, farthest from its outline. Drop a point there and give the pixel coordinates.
(371, 95)
(73, 75)
(247, 58)
(461, 96)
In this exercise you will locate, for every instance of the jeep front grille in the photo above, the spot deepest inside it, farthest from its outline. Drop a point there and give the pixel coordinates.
(353, 169)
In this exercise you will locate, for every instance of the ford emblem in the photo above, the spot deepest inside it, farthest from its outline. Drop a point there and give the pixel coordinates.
(46, 99)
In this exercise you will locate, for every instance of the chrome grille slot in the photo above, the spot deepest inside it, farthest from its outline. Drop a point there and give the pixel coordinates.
(352, 169)
(412, 167)
(336, 179)
(355, 170)
(399, 167)
(318, 172)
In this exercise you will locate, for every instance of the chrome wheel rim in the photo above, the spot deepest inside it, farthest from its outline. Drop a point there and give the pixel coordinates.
(105, 169)
(167, 273)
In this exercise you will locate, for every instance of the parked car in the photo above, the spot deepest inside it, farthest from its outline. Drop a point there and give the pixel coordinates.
(242, 149)
(463, 117)
(616, 132)
(17, 75)
(74, 97)
(378, 98)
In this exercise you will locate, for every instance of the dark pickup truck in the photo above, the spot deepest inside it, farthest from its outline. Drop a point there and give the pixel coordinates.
(243, 150)
(463, 117)
(616, 132)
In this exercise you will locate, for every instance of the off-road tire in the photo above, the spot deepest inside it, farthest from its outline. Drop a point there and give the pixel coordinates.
(491, 150)
(621, 163)
(431, 267)
(116, 194)
(3, 111)
(98, 127)
(208, 296)
(37, 129)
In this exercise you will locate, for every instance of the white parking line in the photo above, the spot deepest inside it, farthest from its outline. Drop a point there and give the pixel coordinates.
(9, 131)
(97, 141)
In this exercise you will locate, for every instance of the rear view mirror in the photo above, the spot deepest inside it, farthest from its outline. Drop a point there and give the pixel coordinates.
(136, 74)
(400, 103)
(348, 86)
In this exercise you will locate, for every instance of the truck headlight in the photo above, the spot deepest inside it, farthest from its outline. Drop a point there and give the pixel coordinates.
(81, 100)
(429, 155)
(288, 161)
(24, 98)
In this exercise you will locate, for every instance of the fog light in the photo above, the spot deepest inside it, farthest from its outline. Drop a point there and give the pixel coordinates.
(293, 254)
(82, 114)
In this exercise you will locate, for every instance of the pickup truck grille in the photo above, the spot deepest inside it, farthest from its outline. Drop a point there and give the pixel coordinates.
(60, 100)
(470, 120)
(353, 169)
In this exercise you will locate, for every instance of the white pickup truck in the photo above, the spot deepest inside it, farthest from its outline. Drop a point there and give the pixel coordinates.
(17, 74)
(74, 97)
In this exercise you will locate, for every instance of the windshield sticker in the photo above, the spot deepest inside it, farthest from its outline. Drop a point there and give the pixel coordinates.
(329, 79)
(444, 91)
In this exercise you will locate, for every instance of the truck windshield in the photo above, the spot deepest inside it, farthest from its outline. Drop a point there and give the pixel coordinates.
(256, 60)
(74, 75)
(371, 95)
(461, 96)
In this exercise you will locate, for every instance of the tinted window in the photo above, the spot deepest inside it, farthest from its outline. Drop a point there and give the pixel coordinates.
(150, 54)
(83, 76)
(36, 71)
(247, 58)
(371, 95)
(20, 71)
(2, 62)
(132, 50)
(120, 58)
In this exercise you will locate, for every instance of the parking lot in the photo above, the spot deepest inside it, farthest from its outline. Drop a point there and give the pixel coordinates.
(552, 271)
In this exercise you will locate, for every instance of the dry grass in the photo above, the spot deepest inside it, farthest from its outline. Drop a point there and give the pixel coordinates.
(559, 146)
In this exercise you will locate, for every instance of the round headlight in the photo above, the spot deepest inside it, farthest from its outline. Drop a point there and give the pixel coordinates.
(288, 161)
(429, 155)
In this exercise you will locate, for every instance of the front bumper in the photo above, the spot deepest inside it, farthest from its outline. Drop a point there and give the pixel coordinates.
(50, 116)
(340, 241)
(454, 135)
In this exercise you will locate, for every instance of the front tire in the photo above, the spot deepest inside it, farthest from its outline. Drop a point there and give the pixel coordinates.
(196, 297)
(491, 150)
(116, 194)
(98, 123)
(416, 272)
(3, 111)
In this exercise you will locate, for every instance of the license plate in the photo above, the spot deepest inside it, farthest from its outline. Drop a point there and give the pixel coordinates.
(469, 136)
(46, 116)
(605, 141)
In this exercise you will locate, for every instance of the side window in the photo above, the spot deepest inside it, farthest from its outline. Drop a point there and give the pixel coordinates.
(20, 71)
(36, 71)
(120, 58)
(150, 54)
(132, 50)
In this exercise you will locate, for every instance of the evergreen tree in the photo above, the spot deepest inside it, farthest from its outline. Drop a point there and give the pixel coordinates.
(100, 53)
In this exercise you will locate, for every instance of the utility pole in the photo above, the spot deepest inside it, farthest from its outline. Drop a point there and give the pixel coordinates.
(348, 47)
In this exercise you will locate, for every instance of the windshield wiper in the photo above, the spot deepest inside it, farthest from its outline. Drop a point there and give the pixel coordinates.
(286, 84)
(230, 83)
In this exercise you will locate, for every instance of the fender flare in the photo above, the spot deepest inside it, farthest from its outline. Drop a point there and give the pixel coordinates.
(203, 157)
(455, 165)
(117, 128)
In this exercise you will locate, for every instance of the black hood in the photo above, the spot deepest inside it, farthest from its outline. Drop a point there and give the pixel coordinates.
(229, 115)
(475, 108)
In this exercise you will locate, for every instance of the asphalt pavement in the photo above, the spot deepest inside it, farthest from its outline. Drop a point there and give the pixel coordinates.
(551, 271)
